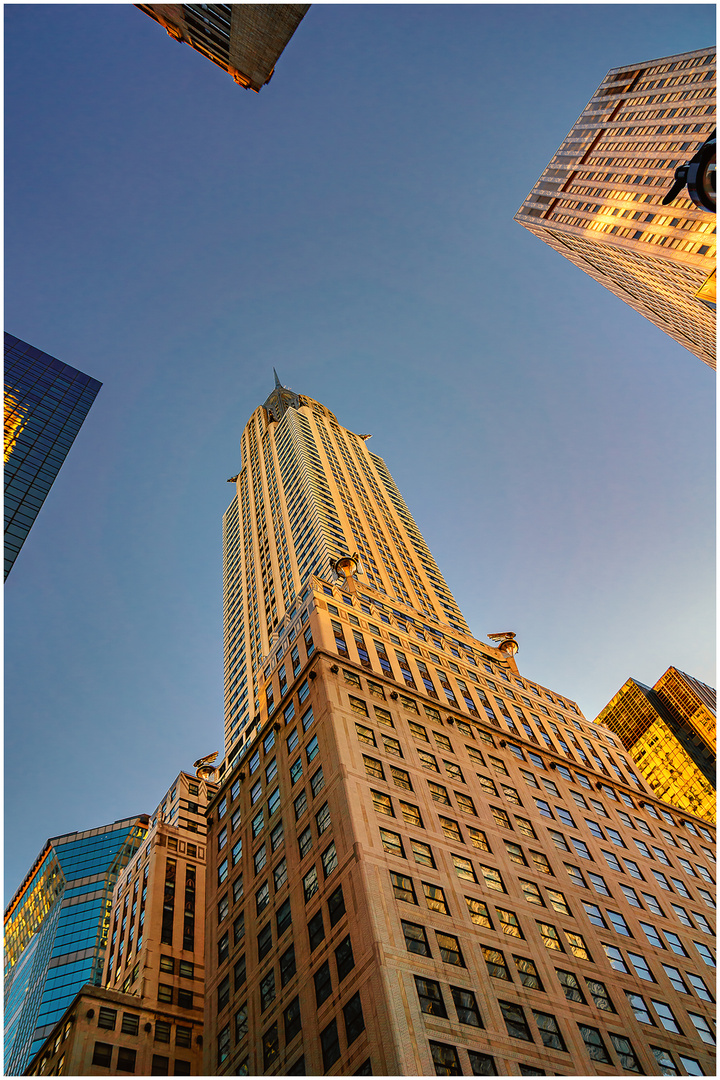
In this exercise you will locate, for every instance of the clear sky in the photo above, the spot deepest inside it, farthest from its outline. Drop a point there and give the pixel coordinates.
(352, 225)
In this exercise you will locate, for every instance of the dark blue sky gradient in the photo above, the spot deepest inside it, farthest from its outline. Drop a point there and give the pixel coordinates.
(176, 236)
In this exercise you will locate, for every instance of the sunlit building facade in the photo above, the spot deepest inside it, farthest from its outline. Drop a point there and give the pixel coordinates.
(420, 861)
(56, 930)
(670, 731)
(598, 202)
(46, 402)
(147, 1016)
(245, 40)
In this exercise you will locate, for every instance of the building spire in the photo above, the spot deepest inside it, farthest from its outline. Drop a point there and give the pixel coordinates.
(278, 384)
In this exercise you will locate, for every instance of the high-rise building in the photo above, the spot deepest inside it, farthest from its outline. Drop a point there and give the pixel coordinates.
(147, 1016)
(246, 40)
(599, 201)
(56, 930)
(46, 402)
(670, 732)
(419, 860)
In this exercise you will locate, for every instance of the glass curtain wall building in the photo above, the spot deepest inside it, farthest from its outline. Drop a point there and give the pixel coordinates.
(46, 402)
(599, 201)
(419, 860)
(56, 930)
(670, 731)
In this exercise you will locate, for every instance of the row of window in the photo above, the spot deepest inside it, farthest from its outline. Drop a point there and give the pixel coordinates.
(126, 1060)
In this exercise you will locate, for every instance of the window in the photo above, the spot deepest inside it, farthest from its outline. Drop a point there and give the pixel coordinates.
(626, 1053)
(316, 930)
(305, 841)
(344, 958)
(478, 838)
(163, 1030)
(401, 778)
(641, 967)
(487, 784)
(107, 1018)
(403, 888)
(466, 1007)
(543, 807)
(125, 1060)
(287, 965)
(464, 868)
(665, 1062)
(618, 922)
(439, 793)
(549, 1031)
(565, 816)
(492, 879)
(382, 803)
(515, 853)
(599, 884)
(353, 1017)
(528, 973)
(525, 827)
(667, 1017)
(675, 943)
(509, 923)
(550, 937)
(415, 938)
(577, 945)
(365, 735)
(701, 1026)
(515, 1022)
(323, 983)
(130, 1024)
(451, 829)
(310, 883)
(392, 843)
(570, 985)
(330, 1045)
(540, 862)
(612, 862)
(411, 814)
(581, 848)
(160, 1063)
(599, 994)
(495, 961)
(336, 906)
(445, 1059)
(558, 840)
(501, 818)
(481, 1064)
(430, 997)
(449, 949)
(165, 993)
(329, 860)
(102, 1054)
(532, 893)
(478, 911)
(428, 761)
(322, 819)
(594, 1045)
(558, 901)
(435, 898)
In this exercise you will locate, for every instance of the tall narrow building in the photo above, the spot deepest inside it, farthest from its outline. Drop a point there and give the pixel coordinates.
(245, 40)
(146, 1014)
(419, 860)
(46, 402)
(670, 732)
(599, 201)
(56, 930)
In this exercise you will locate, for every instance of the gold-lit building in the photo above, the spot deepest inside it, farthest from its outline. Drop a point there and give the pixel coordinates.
(245, 40)
(146, 1015)
(670, 731)
(419, 860)
(598, 202)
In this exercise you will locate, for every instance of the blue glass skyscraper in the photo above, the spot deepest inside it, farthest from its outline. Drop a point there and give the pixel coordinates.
(46, 402)
(56, 930)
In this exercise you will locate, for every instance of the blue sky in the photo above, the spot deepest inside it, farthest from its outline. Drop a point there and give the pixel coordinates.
(352, 225)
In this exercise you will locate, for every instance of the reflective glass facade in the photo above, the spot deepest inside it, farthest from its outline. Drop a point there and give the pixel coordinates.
(56, 930)
(599, 201)
(670, 731)
(46, 402)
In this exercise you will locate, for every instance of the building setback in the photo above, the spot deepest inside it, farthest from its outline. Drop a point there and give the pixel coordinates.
(46, 402)
(599, 201)
(670, 732)
(56, 930)
(147, 1017)
(246, 40)
(420, 861)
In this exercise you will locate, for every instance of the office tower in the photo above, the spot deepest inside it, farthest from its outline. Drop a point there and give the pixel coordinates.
(46, 402)
(147, 1016)
(56, 930)
(246, 40)
(670, 732)
(599, 201)
(420, 861)
(309, 492)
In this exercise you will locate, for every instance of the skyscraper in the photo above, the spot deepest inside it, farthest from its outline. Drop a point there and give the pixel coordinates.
(420, 861)
(56, 930)
(147, 1016)
(670, 731)
(246, 40)
(46, 402)
(598, 202)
